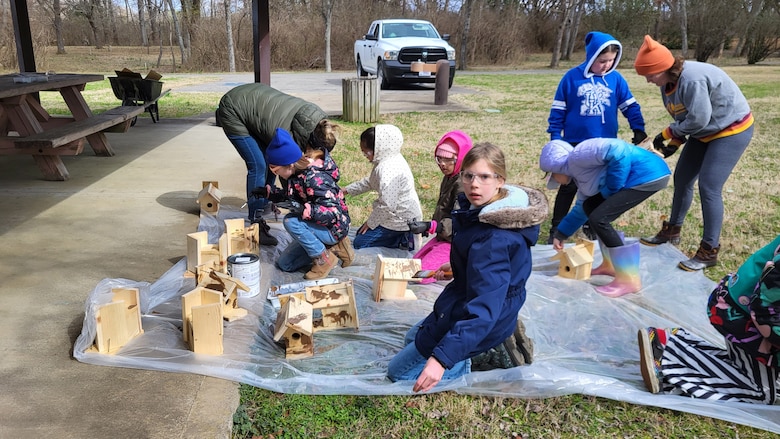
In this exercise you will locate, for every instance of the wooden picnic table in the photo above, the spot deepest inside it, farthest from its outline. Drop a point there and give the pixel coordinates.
(27, 128)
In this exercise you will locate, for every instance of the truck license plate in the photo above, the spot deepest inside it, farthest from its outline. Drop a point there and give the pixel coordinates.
(425, 73)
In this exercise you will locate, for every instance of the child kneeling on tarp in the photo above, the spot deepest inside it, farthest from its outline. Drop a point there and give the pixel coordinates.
(495, 226)
(318, 218)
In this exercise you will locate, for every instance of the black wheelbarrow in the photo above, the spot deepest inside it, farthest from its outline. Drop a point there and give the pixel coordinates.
(138, 91)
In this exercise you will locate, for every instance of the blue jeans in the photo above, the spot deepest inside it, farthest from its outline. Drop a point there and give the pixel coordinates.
(408, 363)
(308, 242)
(258, 173)
(382, 237)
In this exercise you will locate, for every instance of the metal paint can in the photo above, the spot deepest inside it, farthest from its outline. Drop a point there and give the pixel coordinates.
(246, 268)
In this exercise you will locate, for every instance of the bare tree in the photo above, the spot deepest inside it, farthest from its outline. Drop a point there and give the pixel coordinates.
(142, 24)
(466, 8)
(566, 11)
(327, 16)
(229, 32)
(177, 31)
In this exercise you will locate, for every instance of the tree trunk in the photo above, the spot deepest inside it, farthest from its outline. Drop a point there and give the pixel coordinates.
(142, 23)
(468, 6)
(327, 15)
(683, 9)
(229, 32)
(58, 27)
(177, 30)
(93, 17)
(565, 17)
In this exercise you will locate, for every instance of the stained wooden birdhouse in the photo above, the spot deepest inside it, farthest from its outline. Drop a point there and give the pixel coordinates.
(209, 197)
(242, 239)
(119, 321)
(228, 286)
(576, 261)
(391, 276)
(293, 328)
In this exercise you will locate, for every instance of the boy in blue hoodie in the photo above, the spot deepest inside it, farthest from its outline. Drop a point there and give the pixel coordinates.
(585, 106)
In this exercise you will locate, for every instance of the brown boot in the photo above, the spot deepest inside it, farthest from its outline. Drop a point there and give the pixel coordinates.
(344, 251)
(706, 256)
(668, 233)
(321, 265)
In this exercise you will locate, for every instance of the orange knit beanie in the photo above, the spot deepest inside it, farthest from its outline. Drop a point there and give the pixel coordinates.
(653, 57)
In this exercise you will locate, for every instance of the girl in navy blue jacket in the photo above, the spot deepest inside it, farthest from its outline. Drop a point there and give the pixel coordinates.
(494, 227)
(612, 176)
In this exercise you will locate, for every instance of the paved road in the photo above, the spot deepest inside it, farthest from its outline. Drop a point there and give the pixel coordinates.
(325, 89)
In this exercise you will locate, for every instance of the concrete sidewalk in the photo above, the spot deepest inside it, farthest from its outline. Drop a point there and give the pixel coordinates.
(125, 216)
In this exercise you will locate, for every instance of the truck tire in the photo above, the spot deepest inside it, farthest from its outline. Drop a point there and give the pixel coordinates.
(360, 71)
(452, 77)
(384, 83)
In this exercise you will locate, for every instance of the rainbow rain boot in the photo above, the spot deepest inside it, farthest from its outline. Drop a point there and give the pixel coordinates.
(625, 260)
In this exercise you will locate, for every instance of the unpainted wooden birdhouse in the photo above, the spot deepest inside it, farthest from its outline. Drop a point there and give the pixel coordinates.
(576, 261)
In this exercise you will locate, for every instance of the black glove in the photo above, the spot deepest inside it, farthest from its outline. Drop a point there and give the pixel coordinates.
(293, 206)
(260, 192)
(419, 227)
(660, 145)
(590, 204)
(639, 136)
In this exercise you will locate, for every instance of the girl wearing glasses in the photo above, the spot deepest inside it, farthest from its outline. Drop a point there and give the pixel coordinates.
(449, 153)
(612, 176)
(397, 202)
(476, 315)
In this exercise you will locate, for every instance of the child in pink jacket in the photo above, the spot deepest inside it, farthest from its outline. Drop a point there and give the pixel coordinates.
(449, 153)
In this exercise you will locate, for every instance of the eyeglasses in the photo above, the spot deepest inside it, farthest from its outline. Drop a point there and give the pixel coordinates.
(468, 177)
(445, 161)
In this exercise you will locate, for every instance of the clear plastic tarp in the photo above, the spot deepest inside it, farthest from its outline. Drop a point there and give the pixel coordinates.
(583, 342)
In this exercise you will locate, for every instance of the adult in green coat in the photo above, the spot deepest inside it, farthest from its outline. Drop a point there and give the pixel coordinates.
(250, 114)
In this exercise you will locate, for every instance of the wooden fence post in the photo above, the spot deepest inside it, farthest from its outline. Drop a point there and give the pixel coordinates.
(360, 99)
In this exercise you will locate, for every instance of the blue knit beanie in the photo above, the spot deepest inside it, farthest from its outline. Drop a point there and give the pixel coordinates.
(282, 150)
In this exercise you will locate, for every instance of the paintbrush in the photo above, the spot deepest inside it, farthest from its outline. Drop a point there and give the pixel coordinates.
(424, 274)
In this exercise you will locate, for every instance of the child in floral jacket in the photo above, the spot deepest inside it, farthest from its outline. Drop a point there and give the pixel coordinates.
(318, 218)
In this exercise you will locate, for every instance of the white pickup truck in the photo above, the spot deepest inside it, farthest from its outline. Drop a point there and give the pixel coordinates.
(391, 46)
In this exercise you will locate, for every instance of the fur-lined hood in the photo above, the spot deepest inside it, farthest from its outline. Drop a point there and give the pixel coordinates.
(522, 207)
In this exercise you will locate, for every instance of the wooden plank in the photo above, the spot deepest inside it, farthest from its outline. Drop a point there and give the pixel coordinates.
(81, 128)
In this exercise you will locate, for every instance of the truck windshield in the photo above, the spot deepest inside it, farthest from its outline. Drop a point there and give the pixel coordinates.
(399, 30)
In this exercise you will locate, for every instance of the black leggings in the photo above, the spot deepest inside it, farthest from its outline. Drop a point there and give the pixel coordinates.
(563, 200)
(600, 216)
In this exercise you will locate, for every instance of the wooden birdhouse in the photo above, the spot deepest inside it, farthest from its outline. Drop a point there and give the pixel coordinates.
(209, 197)
(293, 328)
(329, 306)
(118, 321)
(228, 286)
(242, 239)
(391, 276)
(576, 261)
(201, 318)
(204, 256)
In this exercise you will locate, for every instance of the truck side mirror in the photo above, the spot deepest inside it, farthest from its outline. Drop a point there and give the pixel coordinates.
(370, 37)
(445, 37)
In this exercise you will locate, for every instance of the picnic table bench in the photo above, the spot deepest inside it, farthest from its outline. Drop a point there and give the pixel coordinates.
(47, 137)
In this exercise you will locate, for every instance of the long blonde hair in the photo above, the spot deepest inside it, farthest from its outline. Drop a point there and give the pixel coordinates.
(494, 158)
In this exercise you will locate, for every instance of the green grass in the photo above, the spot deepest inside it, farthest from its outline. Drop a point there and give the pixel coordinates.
(752, 198)
(752, 219)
